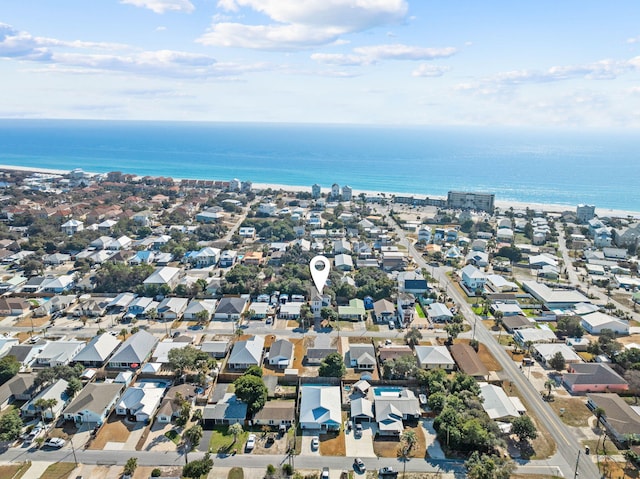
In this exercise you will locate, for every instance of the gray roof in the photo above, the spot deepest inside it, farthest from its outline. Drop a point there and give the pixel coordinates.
(362, 353)
(281, 348)
(231, 305)
(98, 349)
(135, 349)
(95, 397)
(592, 373)
(277, 410)
(618, 414)
(230, 408)
(18, 385)
(247, 352)
(320, 353)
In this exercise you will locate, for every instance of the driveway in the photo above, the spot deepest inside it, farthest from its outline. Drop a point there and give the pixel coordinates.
(433, 446)
(306, 449)
(361, 446)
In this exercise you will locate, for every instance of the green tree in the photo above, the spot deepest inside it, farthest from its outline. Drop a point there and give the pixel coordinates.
(123, 333)
(512, 253)
(254, 371)
(557, 361)
(453, 329)
(10, 426)
(549, 384)
(523, 427)
(197, 469)
(251, 390)
(413, 337)
(570, 326)
(130, 466)
(73, 387)
(488, 467)
(306, 316)
(42, 404)
(191, 437)
(9, 367)
(235, 429)
(329, 314)
(408, 440)
(332, 366)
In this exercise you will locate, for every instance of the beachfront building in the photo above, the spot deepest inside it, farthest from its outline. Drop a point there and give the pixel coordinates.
(316, 190)
(347, 193)
(585, 212)
(471, 201)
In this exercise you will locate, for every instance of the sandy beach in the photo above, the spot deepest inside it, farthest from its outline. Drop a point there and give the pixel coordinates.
(502, 204)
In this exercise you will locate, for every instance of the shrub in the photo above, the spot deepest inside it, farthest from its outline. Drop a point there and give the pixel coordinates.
(156, 472)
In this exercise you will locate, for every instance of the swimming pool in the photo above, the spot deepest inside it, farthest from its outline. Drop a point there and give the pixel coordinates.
(387, 390)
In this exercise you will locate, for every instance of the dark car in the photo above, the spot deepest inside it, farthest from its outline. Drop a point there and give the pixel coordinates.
(359, 465)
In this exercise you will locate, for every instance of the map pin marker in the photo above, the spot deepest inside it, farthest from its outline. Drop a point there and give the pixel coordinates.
(319, 266)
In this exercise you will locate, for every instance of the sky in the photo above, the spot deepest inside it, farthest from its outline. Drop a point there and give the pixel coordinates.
(544, 63)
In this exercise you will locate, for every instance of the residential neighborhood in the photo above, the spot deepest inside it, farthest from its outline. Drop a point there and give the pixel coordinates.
(139, 313)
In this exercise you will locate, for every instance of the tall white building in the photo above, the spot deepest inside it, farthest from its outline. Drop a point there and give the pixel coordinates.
(335, 191)
(347, 193)
(585, 212)
(315, 190)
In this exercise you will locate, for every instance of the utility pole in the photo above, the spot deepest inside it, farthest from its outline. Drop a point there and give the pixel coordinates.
(575, 474)
(73, 450)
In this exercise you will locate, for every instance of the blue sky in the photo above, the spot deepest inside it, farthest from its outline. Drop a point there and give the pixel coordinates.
(402, 62)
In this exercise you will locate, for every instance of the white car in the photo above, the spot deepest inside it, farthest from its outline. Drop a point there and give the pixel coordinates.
(325, 473)
(315, 442)
(56, 442)
(251, 442)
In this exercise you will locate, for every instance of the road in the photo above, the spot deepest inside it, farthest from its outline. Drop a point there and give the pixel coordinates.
(567, 445)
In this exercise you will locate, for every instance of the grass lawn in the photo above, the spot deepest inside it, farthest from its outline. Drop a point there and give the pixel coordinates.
(575, 412)
(386, 447)
(587, 357)
(609, 446)
(14, 471)
(222, 441)
(420, 311)
(59, 470)
(373, 327)
(332, 444)
(616, 470)
(235, 473)
(173, 436)
(487, 359)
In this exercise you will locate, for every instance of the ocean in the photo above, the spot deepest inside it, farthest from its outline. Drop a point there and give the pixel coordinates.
(529, 166)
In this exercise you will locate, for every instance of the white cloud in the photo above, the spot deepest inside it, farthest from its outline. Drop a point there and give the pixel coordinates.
(339, 59)
(300, 24)
(430, 71)
(633, 40)
(374, 53)
(162, 6)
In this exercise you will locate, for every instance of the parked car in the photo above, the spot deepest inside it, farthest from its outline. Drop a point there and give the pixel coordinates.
(358, 430)
(325, 473)
(315, 442)
(56, 442)
(392, 325)
(386, 470)
(359, 464)
(251, 442)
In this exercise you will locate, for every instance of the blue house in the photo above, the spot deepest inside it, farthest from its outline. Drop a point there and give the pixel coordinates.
(368, 303)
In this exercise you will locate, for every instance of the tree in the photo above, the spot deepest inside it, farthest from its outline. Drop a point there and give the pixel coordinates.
(10, 426)
(328, 313)
(413, 337)
(42, 404)
(123, 333)
(254, 371)
(453, 329)
(523, 427)
(570, 326)
(9, 367)
(599, 413)
(633, 378)
(130, 466)
(557, 361)
(191, 437)
(202, 316)
(306, 316)
(332, 366)
(235, 429)
(74, 385)
(488, 467)
(512, 253)
(198, 468)
(185, 413)
(408, 440)
(251, 390)
(549, 385)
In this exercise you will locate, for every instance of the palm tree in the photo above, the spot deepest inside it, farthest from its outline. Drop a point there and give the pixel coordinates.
(549, 385)
(408, 439)
(123, 333)
(599, 413)
(236, 429)
(192, 437)
(499, 322)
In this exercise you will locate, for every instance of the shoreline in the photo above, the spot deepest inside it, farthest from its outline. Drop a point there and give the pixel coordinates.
(502, 204)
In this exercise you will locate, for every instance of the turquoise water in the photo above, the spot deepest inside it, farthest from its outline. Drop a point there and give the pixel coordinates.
(536, 166)
(387, 390)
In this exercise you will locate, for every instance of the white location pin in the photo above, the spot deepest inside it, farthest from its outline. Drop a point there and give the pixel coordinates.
(319, 266)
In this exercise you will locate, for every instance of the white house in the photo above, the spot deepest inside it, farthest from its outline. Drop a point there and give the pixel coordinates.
(93, 404)
(172, 308)
(58, 353)
(197, 306)
(595, 322)
(246, 353)
(320, 408)
(140, 402)
(472, 278)
(496, 403)
(545, 352)
(434, 357)
(165, 275)
(72, 227)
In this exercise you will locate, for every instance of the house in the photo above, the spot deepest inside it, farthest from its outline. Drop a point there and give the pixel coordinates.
(554, 298)
(26, 354)
(229, 410)
(172, 308)
(545, 352)
(253, 257)
(593, 377)
(197, 306)
(362, 356)
(94, 403)
(393, 260)
(71, 227)
(595, 322)
(290, 310)
(228, 258)
(57, 391)
(341, 246)
(141, 305)
(97, 351)
(343, 262)
(320, 408)
(507, 309)
(534, 336)
(134, 351)
(361, 410)
(123, 242)
(412, 282)
(215, 349)
(433, 357)
(468, 361)
(14, 306)
(383, 311)
(58, 285)
(276, 413)
(394, 352)
(56, 259)
(496, 403)
(20, 387)
(354, 311)
(620, 419)
(93, 308)
(140, 402)
(315, 356)
(280, 354)
(439, 313)
(477, 258)
(161, 352)
(6, 343)
(393, 405)
(473, 279)
(205, 257)
(121, 302)
(247, 232)
(514, 323)
(500, 284)
(209, 216)
(231, 308)
(57, 353)
(170, 407)
(166, 275)
(260, 310)
(246, 353)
